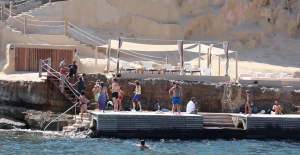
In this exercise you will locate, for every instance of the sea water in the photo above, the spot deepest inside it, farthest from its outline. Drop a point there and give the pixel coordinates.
(40, 144)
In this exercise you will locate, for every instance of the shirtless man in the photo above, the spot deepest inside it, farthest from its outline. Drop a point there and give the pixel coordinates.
(121, 94)
(248, 103)
(176, 97)
(143, 146)
(115, 94)
(277, 108)
(63, 67)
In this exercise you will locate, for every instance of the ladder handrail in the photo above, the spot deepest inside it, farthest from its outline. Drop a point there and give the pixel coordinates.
(74, 91)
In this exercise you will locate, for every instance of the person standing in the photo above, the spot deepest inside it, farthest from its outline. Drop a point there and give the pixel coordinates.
(63, 67)
(73, 71)
(121, 94)
(80, 85)
(176, 93)
(191, 106)
(103, 96)
(249, 102)
(138, 95)
(83, 103)
(115, 89)
(95, 91)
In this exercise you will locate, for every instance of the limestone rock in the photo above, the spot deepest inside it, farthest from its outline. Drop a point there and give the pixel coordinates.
(11, 123)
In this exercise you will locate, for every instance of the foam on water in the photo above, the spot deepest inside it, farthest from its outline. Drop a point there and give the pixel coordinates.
(38, 142)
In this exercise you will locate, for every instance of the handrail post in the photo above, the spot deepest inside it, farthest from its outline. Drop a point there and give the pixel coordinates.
(25, 25)
(167, 60)
(11, 8)
(40, 68)
(199, 56)
(2, 12)
(50, 1)
(49, 64)
(62, 83)
(219, 64)
(66, 28)
(208, 58)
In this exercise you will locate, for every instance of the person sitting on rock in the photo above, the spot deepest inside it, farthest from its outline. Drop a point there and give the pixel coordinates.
(277, 108)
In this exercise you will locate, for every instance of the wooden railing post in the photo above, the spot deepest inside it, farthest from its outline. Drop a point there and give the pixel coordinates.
(219, 64)
(11, 8)
(62, 89)
(49, 65)
(66, 28)
(40, 68)
(25, 25)
(167, 60)
(2, 12)
(199, 57)
(236, 66)
(96, 58)
(208, 58)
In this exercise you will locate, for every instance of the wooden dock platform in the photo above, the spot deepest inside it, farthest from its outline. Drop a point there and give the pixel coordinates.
(147, 125)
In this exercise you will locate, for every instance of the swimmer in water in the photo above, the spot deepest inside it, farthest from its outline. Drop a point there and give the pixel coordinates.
(143, 146)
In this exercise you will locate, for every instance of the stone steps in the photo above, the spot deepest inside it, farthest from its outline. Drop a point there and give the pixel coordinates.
(85, 122)
(217, 120)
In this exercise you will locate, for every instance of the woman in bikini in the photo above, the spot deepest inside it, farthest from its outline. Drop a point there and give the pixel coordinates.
(83, 103)
(121, 94)
(96, 92)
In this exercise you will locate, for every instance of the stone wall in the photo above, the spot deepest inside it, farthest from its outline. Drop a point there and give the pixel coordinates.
(211, 97)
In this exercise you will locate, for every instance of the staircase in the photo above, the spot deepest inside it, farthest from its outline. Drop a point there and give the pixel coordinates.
(217, 120)
(78, 123)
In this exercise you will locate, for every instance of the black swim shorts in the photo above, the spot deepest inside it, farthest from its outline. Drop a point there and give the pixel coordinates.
(115, 94)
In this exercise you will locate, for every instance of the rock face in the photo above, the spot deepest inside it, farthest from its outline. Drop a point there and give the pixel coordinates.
(211, 97)
(10, 123)
(34, 95)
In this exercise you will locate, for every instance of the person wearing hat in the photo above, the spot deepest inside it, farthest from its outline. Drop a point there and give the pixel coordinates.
(191, 106)
(248, 103)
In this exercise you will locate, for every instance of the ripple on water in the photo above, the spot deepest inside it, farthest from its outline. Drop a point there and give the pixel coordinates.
(37, 144)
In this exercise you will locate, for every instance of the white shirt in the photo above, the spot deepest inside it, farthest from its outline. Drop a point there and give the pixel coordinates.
(190, 107)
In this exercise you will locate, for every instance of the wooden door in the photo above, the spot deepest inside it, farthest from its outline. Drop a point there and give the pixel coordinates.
(27, 59)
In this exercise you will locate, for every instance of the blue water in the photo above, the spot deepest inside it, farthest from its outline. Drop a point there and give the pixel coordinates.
(33, 144)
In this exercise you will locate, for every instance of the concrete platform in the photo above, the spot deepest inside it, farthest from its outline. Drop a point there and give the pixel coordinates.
(269, 126)
(147, 125)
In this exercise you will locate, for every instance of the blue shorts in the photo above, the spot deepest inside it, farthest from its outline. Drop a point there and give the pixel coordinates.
(176, 100)
(137, 97)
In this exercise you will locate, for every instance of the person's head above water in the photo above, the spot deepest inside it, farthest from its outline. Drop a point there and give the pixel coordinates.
(143, 142)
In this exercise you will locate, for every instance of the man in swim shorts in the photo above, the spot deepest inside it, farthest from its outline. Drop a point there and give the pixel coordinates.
(176, 93)
(249, 102)
(63, 67)
(73, 71)
(115, 95)
(121, 94)
(138, 95)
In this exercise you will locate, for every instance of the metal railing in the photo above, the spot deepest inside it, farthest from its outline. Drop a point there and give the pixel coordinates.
(46, 65)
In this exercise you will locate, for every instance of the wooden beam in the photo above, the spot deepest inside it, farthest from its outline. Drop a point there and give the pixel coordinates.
(11, 8)
(2, 12)
(96, 58)
(236, 66)
(199, 57)
(207, 58)
(66, 28)
(25, 25)
(219, 65)
(118, 55)
(167, 60)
